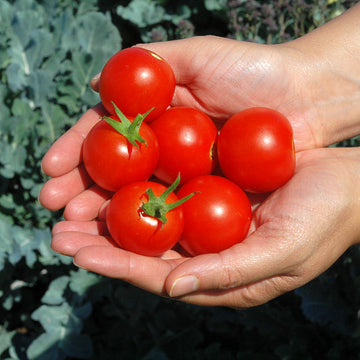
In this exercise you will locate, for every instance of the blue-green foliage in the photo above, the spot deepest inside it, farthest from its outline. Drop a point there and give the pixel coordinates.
(48, 53)
(49, 50)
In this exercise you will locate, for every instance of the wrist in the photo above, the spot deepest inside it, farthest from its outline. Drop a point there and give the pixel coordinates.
(328, 77)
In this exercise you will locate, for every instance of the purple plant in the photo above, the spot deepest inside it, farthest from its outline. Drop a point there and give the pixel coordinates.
(281, 20)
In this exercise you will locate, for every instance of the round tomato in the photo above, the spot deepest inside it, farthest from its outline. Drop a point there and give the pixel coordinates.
(186, 140)
(256, 149)
(137, 80)
(113, 161)
(216, 217)
(133, 229)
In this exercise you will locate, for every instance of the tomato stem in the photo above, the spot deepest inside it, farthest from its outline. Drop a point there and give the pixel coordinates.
(157, 207)
(127, 128)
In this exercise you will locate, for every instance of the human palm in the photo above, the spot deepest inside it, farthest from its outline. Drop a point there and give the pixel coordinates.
(296, 233)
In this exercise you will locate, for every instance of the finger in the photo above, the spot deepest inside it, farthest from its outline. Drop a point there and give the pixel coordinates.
(181, 62)
(148, 273)
(184, 63)
(198, 64)
(176, 252)
(65, 154)
(88, 227)
(70, 242)
(181, 56)
(246, 296)
(260, 256)
(58, 191)
(88, 205)
(94, 82)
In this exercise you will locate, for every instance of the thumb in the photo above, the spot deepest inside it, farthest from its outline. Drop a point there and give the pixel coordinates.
(173, 52)
(94, 82)
(258, 258)
(182, 56)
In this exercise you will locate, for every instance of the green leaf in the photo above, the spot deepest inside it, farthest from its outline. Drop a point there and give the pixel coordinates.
(97, 40)
(6, 14)
(63, 25)
(20, 128)
(78, 346)
(13, 159)
(6, 338)
(7, 201)
(46, 347)
(52, 318)
(94, 30)
(16, 75)
(55, 293)
(182, 12)
(82, 312)
(87, 7)
(22, 108)
(212, 5)
(24, 245)
(53, 120)
(62, 336)
(323, 305)
(27, 52)
(84, 68)
(142, 12)
(42, 87)
(155, 354)
(6, 243)
(82, 281)
(47, 256)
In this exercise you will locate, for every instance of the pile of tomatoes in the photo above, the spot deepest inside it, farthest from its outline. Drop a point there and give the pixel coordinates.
(179, 148)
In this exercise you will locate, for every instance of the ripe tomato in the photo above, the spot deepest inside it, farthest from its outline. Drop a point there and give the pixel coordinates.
(133, 229)
(256, 149)
(137, 80)
(112, 161)
(186, 140)
(216, 217)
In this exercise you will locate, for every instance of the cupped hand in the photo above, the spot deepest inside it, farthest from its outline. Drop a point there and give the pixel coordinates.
(69, 179)
(222, 76)
(216, 75)
(297, 232)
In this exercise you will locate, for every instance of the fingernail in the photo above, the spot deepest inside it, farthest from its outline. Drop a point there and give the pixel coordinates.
(79, 266)
(184, 285)
(96, 77)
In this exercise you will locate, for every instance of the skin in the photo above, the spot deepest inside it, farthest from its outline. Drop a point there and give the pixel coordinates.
(298, 231)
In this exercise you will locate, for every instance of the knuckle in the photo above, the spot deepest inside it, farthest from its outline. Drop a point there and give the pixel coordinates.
(231, 275)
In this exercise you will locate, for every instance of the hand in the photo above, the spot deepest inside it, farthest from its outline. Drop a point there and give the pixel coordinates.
(221, 77)
(296, 233)
(204, 67)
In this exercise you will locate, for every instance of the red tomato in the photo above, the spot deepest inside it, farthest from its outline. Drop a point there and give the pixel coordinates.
(186, 140)
(256, 150)
(135, 231)
(216, 217)
(112, 161)
(137, 80)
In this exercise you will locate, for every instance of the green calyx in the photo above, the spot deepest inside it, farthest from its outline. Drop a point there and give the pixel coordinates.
(156, 206)
(127, 128)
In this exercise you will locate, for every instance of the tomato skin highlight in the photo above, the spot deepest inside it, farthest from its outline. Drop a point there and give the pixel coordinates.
(137, 232)
(256, 150)
(137, 80)
(112, 162)
(215, 218)
(186, 140)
